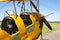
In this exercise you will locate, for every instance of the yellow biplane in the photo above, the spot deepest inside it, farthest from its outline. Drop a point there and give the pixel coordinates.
(27, 26)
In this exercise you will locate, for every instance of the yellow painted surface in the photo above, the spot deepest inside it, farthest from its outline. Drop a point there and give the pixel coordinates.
(20, 24)
(9, 0)
(4, 35)
(34, 34)
(4, 0)
(21, 27)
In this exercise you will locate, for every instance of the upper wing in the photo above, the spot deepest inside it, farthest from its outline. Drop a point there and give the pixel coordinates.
(14, 0)
(10, 0)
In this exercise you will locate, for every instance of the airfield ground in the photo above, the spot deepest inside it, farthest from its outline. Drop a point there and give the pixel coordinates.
(55, 26)
(52, 35)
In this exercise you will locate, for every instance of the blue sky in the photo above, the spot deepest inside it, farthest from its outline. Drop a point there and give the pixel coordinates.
(46, 7)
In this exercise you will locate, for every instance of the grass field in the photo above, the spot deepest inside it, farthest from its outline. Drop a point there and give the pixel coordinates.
(55, 26)
(0, 23)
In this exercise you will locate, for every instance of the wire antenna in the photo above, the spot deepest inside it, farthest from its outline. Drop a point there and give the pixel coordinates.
(49, 14)
(7, 13)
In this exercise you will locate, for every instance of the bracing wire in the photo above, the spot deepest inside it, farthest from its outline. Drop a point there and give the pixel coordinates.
(49, 14)
(46, 6)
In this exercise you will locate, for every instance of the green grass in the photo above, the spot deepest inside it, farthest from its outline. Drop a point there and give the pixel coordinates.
(55, 26)
(0, 23)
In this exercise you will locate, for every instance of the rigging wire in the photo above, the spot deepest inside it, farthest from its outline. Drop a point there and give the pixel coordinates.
(49, 14)
(38, 4)
(46, 6)
(14, 7)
